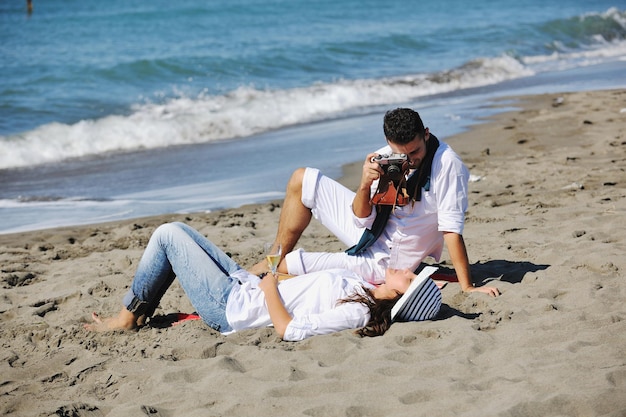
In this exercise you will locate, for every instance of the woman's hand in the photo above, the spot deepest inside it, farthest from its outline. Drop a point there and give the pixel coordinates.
(268, 282)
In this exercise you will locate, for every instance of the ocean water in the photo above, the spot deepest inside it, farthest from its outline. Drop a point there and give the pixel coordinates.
(119, 109)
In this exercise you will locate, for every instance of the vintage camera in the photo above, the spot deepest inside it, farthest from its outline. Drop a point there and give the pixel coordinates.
(391, 190)
(394, 165)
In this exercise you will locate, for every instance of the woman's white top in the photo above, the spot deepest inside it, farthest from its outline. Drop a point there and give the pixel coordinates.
(312, 300)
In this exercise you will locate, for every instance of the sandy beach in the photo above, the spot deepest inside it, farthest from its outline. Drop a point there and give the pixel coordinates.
(545, 225)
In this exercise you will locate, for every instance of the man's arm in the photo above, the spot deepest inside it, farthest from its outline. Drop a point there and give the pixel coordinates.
(460, 261)
(361, 206)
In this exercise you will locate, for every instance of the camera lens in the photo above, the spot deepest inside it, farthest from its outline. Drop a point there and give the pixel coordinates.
(393, 169)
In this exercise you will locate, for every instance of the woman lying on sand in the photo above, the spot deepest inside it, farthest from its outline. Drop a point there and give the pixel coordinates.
(228, 298)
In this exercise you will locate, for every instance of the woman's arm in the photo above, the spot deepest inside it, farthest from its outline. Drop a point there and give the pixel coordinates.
(343, 317)
(278, 313)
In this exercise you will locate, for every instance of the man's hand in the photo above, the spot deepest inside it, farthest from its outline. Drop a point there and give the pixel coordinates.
(492, 291)
(458, 255)
(361, 206)
(371, 172)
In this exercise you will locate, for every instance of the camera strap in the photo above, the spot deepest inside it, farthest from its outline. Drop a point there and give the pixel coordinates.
(418, 180)
(370, 236)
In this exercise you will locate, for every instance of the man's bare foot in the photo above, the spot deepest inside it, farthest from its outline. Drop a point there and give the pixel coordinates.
(259, 268)
(125, 320)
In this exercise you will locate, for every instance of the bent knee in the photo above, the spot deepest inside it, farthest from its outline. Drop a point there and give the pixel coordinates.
(295, 182)
(168, 226)
(298, 175)
(167, 229)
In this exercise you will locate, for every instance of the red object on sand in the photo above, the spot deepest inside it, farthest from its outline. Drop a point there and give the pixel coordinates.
(182, 317)
(444, 277)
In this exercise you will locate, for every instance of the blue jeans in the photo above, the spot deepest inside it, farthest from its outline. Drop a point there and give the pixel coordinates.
(176, 250)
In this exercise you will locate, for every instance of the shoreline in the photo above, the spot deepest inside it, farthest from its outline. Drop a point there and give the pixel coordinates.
(542, 225)
(119, 188)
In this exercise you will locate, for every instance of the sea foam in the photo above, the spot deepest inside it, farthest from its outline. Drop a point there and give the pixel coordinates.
(249, 110)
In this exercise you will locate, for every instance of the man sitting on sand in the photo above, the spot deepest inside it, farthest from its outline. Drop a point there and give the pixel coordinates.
(436, 184)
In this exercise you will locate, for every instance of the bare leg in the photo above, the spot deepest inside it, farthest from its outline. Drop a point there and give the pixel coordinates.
(294, 218)
(125, 320)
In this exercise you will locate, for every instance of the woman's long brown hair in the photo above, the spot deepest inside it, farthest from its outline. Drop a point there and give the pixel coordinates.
(380, 312)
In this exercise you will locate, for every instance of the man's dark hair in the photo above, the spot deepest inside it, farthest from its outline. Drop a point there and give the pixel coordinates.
(402, 125)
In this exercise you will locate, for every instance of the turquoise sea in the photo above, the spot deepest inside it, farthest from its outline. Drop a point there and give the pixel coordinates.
(121, 109)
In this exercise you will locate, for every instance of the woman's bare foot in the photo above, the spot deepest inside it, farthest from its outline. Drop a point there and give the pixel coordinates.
(125, 320)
